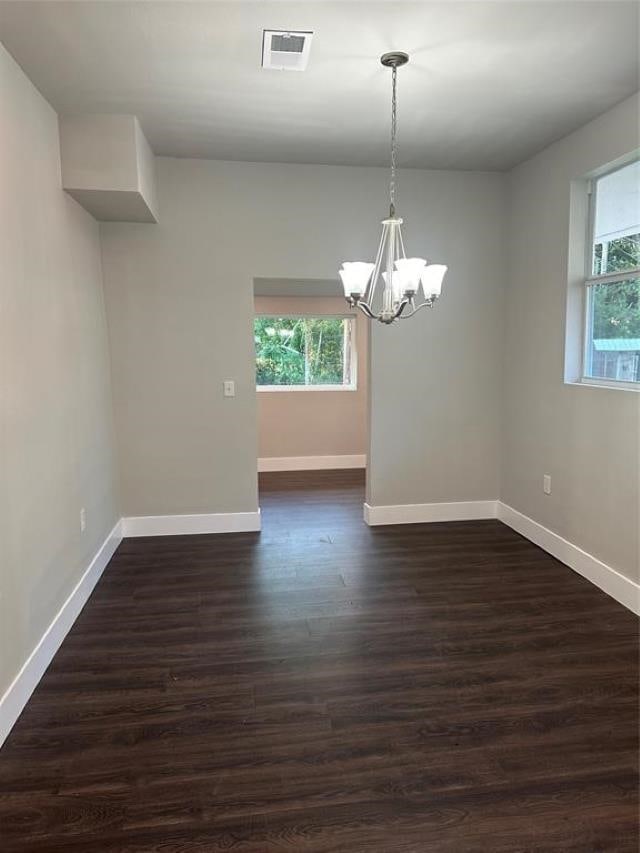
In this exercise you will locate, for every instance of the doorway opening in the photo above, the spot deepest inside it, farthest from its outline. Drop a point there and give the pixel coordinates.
(311, 371)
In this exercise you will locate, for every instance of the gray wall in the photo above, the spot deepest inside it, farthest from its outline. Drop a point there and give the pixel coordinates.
(56, 423)
(179, 301)
(436, 378)
(586, 438)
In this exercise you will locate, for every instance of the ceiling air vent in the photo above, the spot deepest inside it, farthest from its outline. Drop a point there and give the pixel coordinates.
(285, 51)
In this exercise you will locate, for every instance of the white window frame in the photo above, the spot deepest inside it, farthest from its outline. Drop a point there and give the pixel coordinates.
(606, 278)
(353, 354)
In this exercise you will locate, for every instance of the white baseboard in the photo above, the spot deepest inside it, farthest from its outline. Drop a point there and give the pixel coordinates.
(606, 578)
(623, 589)
(311, 463)
(174, 525)
(420, 513)
(19, 691)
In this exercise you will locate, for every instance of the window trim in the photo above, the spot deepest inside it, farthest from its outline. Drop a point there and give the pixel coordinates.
(590, 280)
(352, 386)
(262, 388)
(614, 384)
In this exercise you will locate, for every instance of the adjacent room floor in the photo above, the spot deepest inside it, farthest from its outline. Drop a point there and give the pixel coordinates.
(325, 686)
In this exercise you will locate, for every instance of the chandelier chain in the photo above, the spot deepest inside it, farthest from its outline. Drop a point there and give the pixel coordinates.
(392, 182)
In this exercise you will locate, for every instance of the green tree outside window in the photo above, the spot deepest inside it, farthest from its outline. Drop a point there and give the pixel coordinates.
(616, 307)
(302, 350)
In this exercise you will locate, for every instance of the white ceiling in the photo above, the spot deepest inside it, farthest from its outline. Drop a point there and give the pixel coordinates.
(488, 83)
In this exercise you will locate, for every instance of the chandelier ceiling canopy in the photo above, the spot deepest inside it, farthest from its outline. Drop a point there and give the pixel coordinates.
(393, 286)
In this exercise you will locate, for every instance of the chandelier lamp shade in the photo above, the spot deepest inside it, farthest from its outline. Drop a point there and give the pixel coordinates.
(394, 286)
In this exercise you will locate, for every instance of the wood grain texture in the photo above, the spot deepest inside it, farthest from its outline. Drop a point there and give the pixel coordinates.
(324, 686)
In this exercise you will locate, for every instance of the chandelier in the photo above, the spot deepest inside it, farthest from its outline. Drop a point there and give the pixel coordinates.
(408, 284)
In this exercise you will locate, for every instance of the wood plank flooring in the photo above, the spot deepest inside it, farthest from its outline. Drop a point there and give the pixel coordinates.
(324, 686)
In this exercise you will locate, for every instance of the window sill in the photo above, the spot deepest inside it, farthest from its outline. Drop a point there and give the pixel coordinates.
(266, 388)
(610, 384)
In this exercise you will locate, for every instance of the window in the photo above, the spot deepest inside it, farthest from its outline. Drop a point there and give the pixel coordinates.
(302, 353)
(612, 336)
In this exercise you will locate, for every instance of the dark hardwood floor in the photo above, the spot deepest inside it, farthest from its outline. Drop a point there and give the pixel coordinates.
(324, 686)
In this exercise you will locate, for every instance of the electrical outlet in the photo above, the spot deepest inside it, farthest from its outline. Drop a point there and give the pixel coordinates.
(229, 387)
(546, 484)
(83, 520)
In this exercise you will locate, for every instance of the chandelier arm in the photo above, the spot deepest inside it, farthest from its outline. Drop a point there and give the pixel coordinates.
(428, 304)
(401, 242)
(373, 281)
(401, 306)
(387, 294)
(364, 307)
